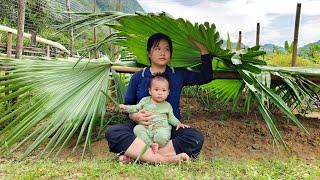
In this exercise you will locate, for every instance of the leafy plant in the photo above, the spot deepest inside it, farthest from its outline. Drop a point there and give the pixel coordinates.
(284, 60)
(288, 48)
(69, 98)
(229, 44)
(134, 31)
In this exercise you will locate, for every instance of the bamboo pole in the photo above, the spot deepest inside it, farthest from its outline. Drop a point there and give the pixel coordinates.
(216, 75)
(296, 34)
(21, 18)
(258, 35)
(39, 39)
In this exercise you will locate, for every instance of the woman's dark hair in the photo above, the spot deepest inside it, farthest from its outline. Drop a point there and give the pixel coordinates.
(158, 76)
(156, 38)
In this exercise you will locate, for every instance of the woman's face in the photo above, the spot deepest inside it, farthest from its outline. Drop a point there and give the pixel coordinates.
(160, 54)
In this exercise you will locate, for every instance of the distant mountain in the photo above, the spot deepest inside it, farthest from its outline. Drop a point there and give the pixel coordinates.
(306, 47)
(269, 48)
(127, 6)
(233, 44)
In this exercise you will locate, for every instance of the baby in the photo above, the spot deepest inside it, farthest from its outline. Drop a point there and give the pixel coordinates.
(158, 133)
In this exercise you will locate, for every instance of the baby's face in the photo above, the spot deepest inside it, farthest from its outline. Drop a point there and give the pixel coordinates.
(159, 90)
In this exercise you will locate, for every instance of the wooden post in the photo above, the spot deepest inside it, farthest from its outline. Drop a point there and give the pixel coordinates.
(296, 34)
(48, 51)
(114, 48)
(21, 17)
(71, 43)
(95, 31)
(9, 52)
(118, 5)
(33, 40)
(239, 42)
(258, 35)
(9, 44)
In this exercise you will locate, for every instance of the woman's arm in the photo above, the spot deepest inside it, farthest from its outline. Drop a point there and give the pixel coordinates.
(206, 73)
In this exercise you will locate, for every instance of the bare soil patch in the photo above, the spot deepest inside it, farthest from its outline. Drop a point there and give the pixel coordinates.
(231, 135)
(238, 135)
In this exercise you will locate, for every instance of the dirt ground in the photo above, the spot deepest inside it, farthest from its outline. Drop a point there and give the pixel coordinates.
(236, 135)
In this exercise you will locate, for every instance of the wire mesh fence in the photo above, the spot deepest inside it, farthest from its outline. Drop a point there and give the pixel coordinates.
(44, 16)
(51, 12)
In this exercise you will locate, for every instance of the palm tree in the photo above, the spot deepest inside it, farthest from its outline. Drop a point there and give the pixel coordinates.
(60, 98)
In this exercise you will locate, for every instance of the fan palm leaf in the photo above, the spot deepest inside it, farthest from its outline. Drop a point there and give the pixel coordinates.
(134, 30)
(56, 99)
(247, 63)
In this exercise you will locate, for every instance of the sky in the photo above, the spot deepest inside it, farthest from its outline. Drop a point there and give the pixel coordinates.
(276, 17)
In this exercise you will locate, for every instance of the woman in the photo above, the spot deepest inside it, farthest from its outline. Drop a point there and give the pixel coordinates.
(185, 142)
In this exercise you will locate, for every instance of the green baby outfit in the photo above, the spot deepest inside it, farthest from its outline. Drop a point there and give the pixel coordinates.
(160, 129)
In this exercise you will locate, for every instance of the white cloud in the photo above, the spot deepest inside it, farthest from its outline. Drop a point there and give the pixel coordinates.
(235, 15)
(310, 32)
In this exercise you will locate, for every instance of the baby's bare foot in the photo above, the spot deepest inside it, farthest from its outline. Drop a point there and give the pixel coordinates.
(155, 147)
(124, 159)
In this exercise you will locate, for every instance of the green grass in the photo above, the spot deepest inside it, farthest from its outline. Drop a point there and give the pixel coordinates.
(290, 168)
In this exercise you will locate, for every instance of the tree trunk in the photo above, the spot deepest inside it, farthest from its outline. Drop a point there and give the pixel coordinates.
(21, 17)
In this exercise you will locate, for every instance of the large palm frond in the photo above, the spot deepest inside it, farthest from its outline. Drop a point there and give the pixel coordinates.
(135, 30)
(56, 99)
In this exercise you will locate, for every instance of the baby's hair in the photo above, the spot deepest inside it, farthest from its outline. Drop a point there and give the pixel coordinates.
(159, 76)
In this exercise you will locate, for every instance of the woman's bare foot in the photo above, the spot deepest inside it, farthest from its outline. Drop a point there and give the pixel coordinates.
(183, 156)
(125, 159)
(176, 158)
(155, 147)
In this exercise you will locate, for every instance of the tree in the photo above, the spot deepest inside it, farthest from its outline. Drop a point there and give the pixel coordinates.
(288, 48)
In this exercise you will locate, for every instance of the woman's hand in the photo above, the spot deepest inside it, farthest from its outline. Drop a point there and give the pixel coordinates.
(182, 126)
(200, 46)
(142, 117)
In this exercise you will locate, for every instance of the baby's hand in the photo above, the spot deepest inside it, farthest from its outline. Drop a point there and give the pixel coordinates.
(122, 107)
(182, 126)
